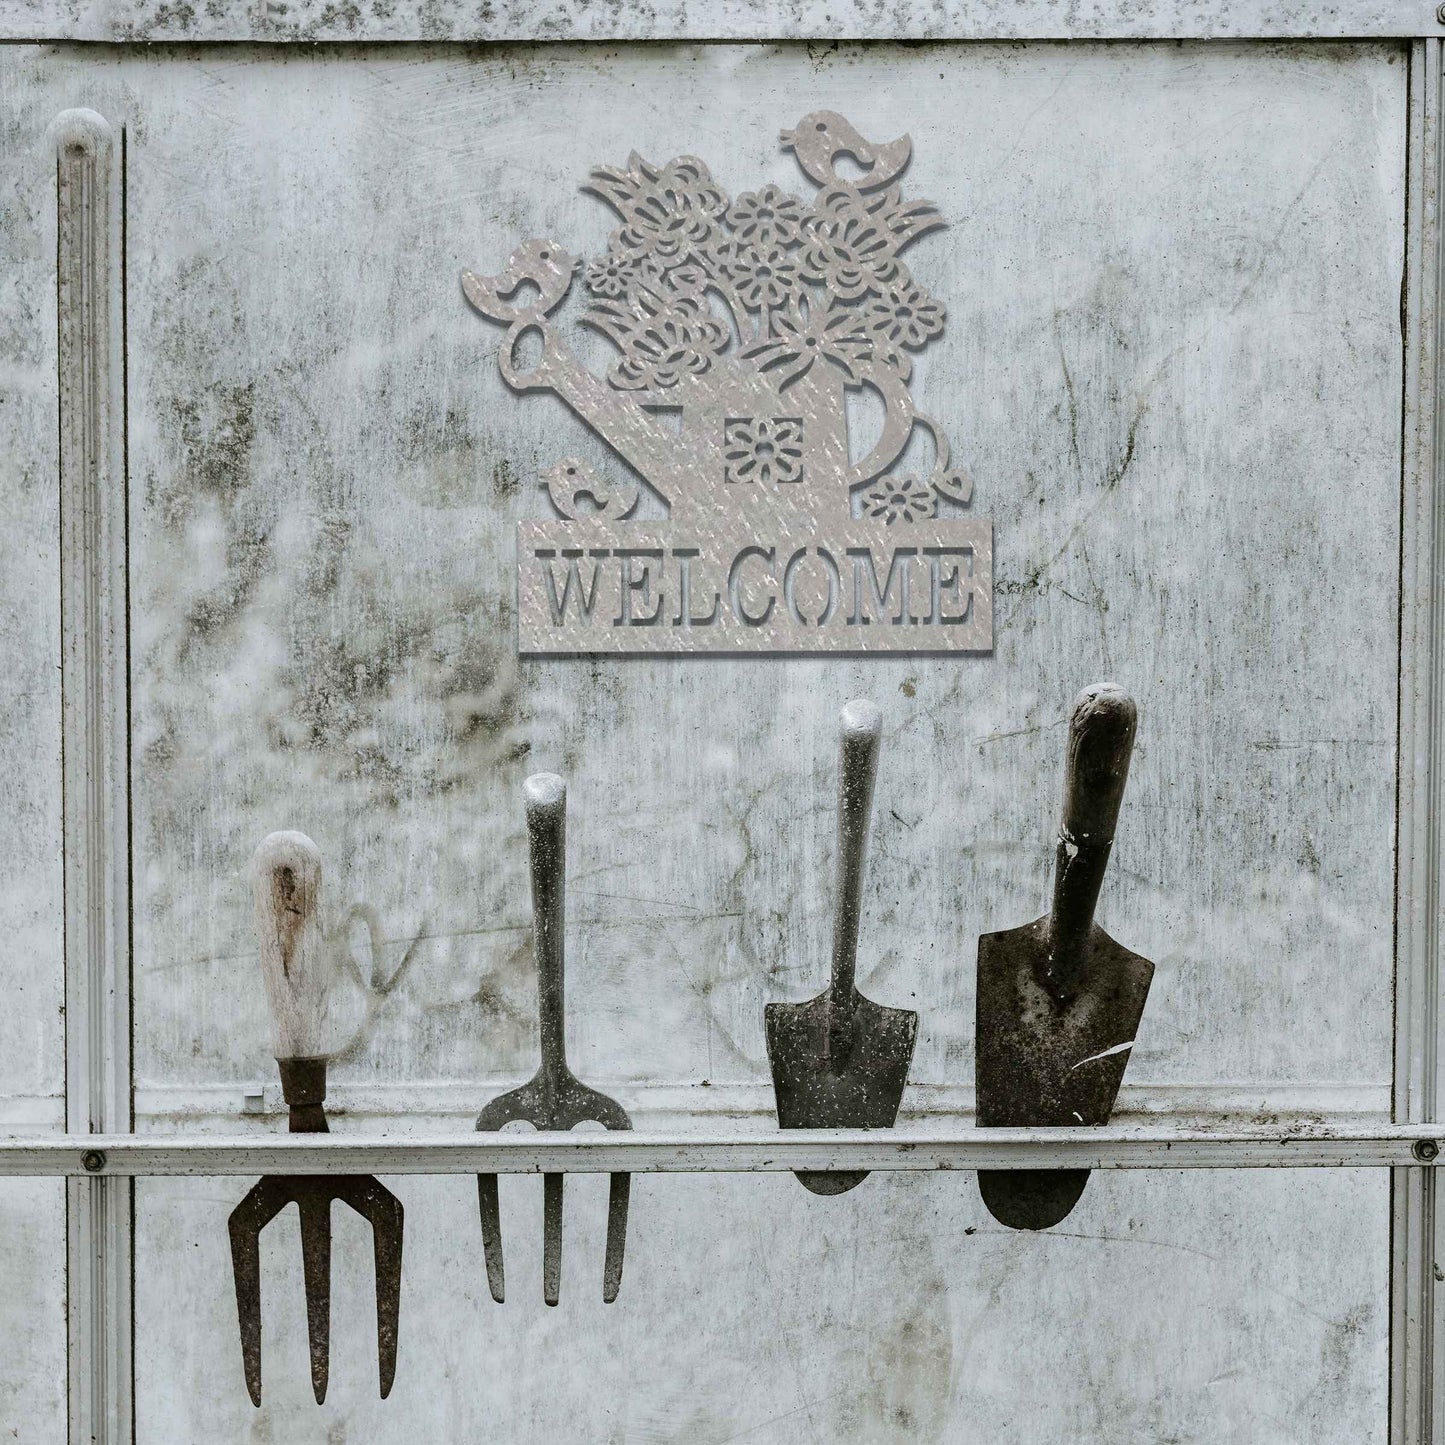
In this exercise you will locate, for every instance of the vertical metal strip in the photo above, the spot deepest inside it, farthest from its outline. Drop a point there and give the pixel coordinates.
(1422, 542)
(95, 759)
(1413, 1396)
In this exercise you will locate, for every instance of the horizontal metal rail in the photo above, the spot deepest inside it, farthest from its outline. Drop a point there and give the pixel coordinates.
(1113, 1147)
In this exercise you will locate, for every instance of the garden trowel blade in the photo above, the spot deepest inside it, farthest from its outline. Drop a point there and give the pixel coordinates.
(858, 1086)
(1046, 1063)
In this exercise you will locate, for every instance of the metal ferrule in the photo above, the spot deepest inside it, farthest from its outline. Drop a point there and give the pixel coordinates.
(303, 1086)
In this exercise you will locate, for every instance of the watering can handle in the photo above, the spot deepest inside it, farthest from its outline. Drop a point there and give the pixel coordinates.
(1101, 740)
(286, 887)
(860, 727)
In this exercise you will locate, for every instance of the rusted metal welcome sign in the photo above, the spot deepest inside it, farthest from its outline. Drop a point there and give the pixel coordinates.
(742, 324)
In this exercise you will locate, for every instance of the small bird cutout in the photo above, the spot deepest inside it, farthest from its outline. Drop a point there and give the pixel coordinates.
(824, 135)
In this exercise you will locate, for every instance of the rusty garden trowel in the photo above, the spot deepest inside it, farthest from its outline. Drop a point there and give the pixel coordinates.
(840, 1060)
(1059, 1002)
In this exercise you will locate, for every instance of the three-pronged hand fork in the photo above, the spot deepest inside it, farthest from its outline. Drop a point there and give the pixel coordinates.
(554, 1098)
(286, 876)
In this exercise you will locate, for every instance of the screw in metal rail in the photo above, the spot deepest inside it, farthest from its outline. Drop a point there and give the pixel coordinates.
(554, 1098)
(286, 877)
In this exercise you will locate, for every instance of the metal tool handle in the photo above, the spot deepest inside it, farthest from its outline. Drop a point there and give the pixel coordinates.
(1101, 741)
(286, 887)
(546, 801)
(861, 726)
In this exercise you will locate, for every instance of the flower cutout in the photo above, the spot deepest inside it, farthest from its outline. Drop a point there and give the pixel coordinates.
(666, 212)
(904, 220)
(763, 449)
(660, 355)
(767, 217)
(665, 232)
(685, 183)
(849, 251)
(903, 314)
(612, 274)
(900, 498)
(763, 278)
(662, 337)
(803, 334)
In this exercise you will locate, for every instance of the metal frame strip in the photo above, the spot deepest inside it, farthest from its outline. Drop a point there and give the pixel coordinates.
(95, 761)
(1414, 1401)
(1110, 1147)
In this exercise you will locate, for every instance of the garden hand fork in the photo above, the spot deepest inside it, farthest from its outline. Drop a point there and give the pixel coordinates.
(286, 878)
(554, 1098)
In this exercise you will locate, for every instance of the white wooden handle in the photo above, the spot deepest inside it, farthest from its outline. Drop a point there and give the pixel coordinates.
(286, 885)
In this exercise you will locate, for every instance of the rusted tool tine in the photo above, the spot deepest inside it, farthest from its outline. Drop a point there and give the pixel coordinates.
(286, 876)
(840, 1060)
(1059, 1002)
(554, 1098)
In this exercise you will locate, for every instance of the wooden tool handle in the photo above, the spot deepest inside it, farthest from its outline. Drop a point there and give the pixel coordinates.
(286, 886)
(861, 727)
(545, 795)
(1101, 741)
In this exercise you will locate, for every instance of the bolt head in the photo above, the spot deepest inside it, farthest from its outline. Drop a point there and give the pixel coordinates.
(92, 1161)
(1440, 14)
(1425, 1150)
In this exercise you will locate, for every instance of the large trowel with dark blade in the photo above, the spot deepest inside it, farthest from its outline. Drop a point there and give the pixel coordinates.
(1059, 1002)
(840, 1060)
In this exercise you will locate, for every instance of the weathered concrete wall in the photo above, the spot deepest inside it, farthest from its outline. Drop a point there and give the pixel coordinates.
(1200, 1308)
(820, 20)
(1173, 368)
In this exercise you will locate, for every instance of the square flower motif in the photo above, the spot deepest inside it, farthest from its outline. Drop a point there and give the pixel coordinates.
(763, 449)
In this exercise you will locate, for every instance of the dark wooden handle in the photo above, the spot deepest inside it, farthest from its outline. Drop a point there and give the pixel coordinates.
(1101, 741)
(545, 795)
(1096, 767)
